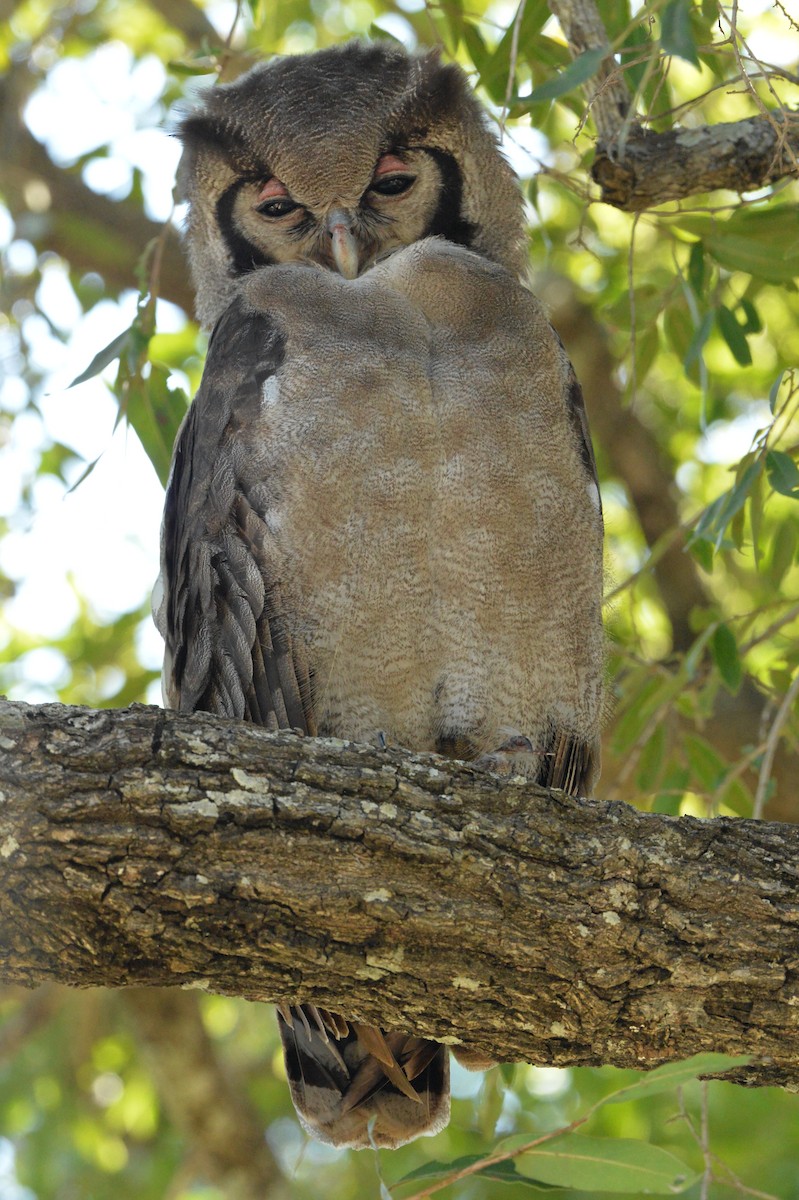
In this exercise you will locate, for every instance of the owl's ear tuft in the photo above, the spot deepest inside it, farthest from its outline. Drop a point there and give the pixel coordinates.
(443, 87)
(210, 130)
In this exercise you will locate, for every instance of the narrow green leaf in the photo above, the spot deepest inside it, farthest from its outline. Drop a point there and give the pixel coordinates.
(503, 1171)
(478, 51)
(122, 342)
(508, 1072)
(579, 71)
(675, 31)
(775, 391)
(494, 77)
(679, 330)
(756, 519)
(676, 1074)
(155, 411)
(606, 1165)
(651, 760)
(751, 322)
(192, 66)
(718, 515)
(647, 345)
(733, 335)
(724, 649)
(702, 550)
(783, 474)
(376, 31)
(783, 551)
(698, 341)
(706, 765)
(696, 267)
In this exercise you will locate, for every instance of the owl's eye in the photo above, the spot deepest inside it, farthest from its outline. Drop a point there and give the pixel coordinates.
(279, 207)
(275, 200)
(395, 185)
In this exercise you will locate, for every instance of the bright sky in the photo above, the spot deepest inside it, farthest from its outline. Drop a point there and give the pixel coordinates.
(104, 535)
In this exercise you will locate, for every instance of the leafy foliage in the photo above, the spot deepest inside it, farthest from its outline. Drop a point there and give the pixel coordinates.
(687, 342)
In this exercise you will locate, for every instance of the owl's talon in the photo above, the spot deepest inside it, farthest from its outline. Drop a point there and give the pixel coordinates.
(516, 756)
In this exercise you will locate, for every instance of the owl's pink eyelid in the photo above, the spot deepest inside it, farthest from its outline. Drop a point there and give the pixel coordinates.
(389, 163)
(272, 189)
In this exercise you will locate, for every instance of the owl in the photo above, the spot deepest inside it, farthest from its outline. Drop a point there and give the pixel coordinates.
(383, 521)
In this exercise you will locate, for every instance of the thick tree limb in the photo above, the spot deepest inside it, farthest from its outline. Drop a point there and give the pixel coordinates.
(141, 846)
(644, 169)
(638, 169)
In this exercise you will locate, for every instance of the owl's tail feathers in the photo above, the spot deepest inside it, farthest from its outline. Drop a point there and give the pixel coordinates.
(353, 1085)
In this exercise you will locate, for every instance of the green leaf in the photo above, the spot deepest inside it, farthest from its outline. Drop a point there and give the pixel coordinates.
(647, 345)
(155, 411)
(761, 242)
(718, 515)
(783, 474)
(675, 31)
(679, 330)
(698, 341)
(696, 267)
(577, 72)
(724, 649)
(508, 1073)
(702, 549)
(676, 1074)
(706, 765)
(113, 350)
(606, 1165)
(752, 322)
(651, 760)
(783, 551)
(775, 391)
(503, 1171)
(733, 335)
(478, 51)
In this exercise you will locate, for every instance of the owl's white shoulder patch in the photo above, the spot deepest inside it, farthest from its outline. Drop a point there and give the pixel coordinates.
(270, 393)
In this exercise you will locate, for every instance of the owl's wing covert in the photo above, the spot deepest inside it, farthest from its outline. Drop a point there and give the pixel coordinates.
(229, 649)
(575, 405)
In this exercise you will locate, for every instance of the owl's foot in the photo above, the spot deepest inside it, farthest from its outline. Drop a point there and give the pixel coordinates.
(516, 756)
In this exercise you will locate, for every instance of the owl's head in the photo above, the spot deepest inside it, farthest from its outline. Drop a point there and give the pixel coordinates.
(338, 158)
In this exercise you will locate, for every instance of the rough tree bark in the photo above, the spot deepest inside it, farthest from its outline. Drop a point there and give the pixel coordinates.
(140, 846)
(637, 168)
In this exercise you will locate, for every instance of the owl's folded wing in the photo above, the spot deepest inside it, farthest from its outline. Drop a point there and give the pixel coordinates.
(229, 649)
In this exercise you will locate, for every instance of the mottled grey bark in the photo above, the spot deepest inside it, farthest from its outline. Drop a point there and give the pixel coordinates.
(647, 169)
(144, 847)
(638, 169)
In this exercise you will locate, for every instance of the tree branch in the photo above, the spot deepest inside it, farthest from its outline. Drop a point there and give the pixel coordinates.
(145, 847)
(638, 169)
(645, 169)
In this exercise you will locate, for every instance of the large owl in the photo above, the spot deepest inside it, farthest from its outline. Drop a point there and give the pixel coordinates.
(383, 520)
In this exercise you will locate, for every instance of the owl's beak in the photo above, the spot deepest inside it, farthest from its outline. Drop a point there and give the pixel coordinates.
(344, 247)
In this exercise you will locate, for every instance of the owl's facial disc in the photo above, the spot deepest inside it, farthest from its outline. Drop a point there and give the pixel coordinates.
(282, 220)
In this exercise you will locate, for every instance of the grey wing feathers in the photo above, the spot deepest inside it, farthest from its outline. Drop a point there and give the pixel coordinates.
(228, 642)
